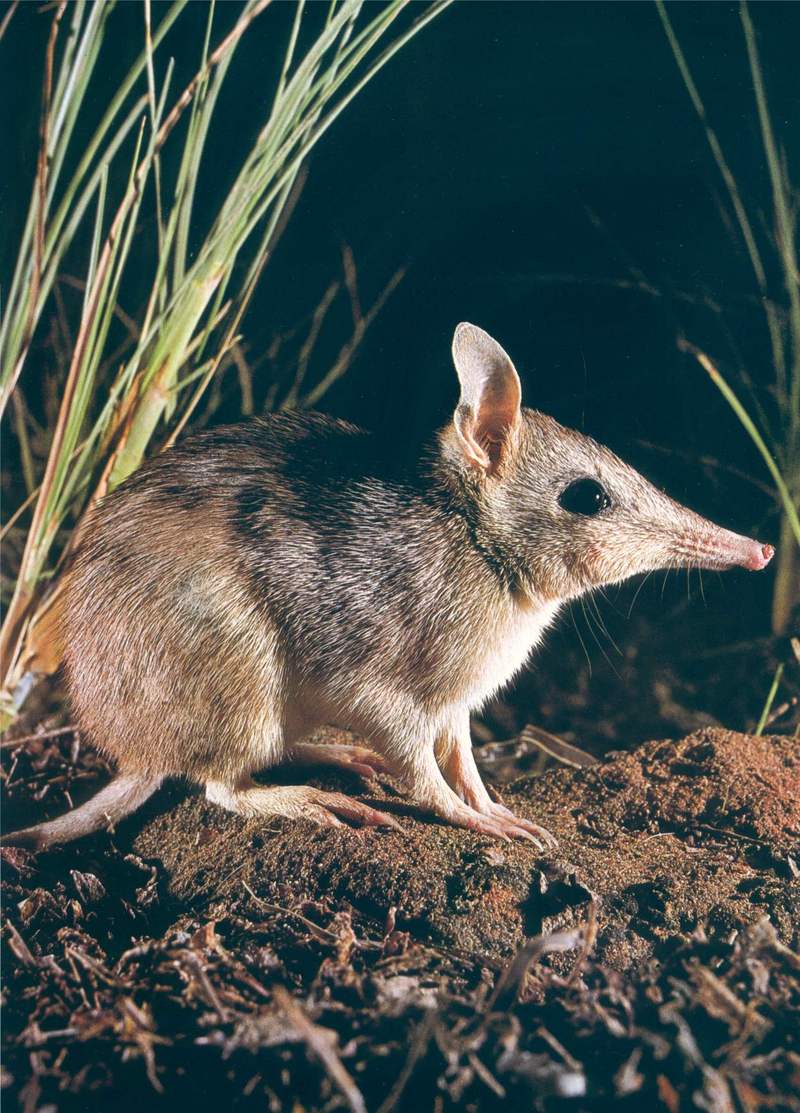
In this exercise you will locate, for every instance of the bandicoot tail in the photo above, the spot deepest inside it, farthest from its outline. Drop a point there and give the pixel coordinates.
(124, 795)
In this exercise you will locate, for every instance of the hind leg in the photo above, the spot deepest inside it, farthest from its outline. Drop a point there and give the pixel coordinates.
(295, 802)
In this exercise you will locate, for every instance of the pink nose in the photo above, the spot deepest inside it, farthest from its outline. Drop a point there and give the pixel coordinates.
(759, 556)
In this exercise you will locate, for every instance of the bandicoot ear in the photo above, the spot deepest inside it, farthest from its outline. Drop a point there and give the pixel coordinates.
(487, 417)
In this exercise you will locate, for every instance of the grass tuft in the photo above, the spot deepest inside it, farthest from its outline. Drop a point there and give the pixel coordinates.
(777, 440)
(117, 402)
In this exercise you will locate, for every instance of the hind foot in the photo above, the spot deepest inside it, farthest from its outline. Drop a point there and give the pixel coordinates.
(354, 759)
(328, 809)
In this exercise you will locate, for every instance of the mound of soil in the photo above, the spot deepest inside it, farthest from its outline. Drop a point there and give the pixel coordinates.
(670, 836)
(650, 961)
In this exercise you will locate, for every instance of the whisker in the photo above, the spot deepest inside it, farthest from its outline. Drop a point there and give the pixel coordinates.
(580, 639)
(601, 621)
(598, 643)
(602, 593)
(639, 588)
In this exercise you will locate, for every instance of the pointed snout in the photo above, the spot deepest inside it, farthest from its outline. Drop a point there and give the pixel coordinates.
(718, 548)
(696, 542)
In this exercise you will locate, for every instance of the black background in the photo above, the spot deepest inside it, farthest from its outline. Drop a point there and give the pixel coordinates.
(540, 170)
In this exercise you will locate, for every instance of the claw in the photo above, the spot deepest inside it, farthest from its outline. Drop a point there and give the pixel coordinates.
(353, 759)
(540, 835)
(368, 772)
(356, 812)
(481, 825)
(363, 756)
(323, 817)
(522, 833)
(383, 819)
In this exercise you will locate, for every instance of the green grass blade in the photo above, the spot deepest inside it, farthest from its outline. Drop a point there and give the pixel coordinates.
(784, 211)
(773, 691)
(731, 398)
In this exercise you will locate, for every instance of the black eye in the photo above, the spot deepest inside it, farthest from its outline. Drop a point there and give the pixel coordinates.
(584, 496)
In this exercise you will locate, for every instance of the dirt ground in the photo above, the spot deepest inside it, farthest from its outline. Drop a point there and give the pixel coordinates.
(651, 961)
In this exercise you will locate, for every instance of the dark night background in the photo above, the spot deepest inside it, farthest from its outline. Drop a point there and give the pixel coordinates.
(540, 170)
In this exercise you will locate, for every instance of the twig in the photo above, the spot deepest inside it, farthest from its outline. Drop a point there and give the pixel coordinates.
(557, 1046)
(319, 933)
(19, 947)
(245, 373)
(725, 1005)
(10, 743)
(510, 981)
(317, 320)
(351, 282)
(7, 18)
(210, 992)
(422, 1037)
(74, 954)
(321, 1042)
(557, 748)
(346, 353)
(124, 318)
(485, 1075)
(781, 710)
(773, 691)
(588, 942)
(708, 462)
(733, 834)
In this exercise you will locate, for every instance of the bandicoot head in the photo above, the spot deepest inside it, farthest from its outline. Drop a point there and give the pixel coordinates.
(573, 511)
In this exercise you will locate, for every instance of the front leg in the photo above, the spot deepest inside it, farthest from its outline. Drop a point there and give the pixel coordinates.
(410, 754)
(457, 761)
